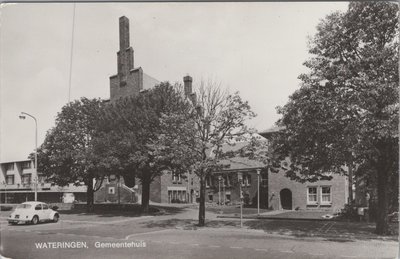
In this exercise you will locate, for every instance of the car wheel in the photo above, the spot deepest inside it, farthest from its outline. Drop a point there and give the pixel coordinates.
(35, 220)
(55, 218)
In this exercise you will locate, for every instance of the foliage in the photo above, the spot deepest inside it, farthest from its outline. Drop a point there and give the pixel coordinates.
(195, 137)
(346, 109)
(130, 128)
(66, 155)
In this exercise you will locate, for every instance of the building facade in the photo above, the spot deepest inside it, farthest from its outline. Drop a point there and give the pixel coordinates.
(18, 182)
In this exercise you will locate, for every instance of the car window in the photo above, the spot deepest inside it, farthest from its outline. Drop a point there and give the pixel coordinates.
(45, 207)
(24, 206)
(38, 207)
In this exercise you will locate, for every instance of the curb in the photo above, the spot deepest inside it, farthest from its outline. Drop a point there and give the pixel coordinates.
(275, 218)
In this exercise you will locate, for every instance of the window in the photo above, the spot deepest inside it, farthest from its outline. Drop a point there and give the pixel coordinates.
(312, 195)
(176, 178)
(10, 179)
(208, 182)
(227, 180)
(26, 165)
(111, 190)
(326, 195)
(210, 197)
(45, 207)
(26, 179)
(246, 180)
(38, 207)
(10, 167)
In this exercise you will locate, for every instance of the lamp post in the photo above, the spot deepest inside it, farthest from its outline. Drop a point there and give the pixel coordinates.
(23, 116)
(258, 192)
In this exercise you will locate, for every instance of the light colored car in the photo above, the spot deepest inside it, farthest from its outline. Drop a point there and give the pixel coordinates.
(33, 212)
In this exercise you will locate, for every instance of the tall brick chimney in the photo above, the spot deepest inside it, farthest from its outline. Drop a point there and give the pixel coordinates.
(187, 82)
(125, 53)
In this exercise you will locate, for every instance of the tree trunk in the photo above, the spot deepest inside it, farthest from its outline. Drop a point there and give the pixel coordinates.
(202, 205)
(382, 224)
(145, 193)
(89, 195)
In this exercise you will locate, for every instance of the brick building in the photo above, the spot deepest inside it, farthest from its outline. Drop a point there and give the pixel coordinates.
(130, 81)
(276, 190)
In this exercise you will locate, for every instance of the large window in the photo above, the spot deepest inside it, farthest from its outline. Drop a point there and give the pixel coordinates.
(227, 180)
(10, 167)
(10, 179)
(312, 195)
(326, 195)
(26, 165)
(26, 179)
(176, 178)
(246, 180)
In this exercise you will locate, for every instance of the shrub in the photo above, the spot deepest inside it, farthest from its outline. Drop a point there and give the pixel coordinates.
(5, 208)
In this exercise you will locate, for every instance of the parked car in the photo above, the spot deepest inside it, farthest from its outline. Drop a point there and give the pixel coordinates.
(33, 212)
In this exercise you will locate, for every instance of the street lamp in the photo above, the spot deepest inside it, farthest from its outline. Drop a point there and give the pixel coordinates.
(22, 116)
(258, 192)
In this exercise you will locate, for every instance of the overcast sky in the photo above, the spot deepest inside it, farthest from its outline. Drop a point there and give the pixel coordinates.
(254, 48)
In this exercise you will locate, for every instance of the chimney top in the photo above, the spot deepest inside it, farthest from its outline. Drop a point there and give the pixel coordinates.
(187, 79)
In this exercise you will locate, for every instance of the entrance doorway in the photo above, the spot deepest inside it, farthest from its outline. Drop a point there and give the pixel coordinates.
(286, 199)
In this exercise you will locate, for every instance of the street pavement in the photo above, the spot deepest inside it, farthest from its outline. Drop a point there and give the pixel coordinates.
(163, 238)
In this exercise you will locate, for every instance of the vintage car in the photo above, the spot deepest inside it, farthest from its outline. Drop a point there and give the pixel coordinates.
(33, 212)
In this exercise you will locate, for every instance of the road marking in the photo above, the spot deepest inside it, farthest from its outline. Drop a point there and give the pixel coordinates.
(315, 254)
(214, 246)
(146, 233)
(194, 244)
(349, 256)
(259, 249)
(236, 247)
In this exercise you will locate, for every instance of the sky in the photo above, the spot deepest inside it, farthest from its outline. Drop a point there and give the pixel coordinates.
(255, 48)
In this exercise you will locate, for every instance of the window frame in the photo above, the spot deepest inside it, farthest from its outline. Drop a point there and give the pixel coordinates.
(10, 177)
(330, 195)
(310, 202)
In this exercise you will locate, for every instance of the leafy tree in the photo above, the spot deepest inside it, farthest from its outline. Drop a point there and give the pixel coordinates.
(66, 155)
(194, 138)
(346, 110)
(130, 129)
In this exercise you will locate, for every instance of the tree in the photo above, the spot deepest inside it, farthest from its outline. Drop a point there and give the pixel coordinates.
(130, 128)
(346, 110)
(66, 155)
(194, 138)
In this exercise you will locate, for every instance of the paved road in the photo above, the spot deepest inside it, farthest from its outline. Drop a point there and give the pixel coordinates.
(166, 241)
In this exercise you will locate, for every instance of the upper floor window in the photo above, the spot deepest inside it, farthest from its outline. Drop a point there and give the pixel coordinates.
(227, 180)
(10, 167)
(246, 180)
(10, 179)
(176, 178)
(26, 179)
(26, 165)
(312, 195)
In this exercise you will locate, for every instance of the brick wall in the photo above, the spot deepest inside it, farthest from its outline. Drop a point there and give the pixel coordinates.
(277, 182)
